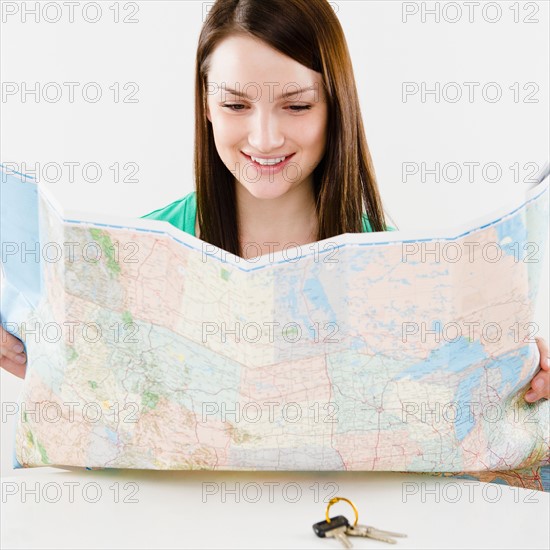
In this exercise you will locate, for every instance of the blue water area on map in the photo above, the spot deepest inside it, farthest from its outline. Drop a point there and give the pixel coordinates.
(451, 356)
(459, 357)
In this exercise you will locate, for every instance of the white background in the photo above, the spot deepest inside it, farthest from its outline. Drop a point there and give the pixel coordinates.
(156, 133)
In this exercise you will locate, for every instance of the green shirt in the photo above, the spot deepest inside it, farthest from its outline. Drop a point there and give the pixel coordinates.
(182, 214)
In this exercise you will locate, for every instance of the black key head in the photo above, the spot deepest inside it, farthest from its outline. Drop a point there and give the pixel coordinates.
(323, 527)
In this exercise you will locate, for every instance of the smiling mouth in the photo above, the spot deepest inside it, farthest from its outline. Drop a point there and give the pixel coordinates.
(268, 162)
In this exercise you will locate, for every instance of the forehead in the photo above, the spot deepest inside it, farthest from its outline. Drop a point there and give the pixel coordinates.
(241, 60)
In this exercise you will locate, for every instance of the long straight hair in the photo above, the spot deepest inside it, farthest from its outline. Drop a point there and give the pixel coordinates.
(309, 32)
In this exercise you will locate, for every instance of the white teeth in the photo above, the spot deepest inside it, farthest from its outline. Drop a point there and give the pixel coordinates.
(268, 162)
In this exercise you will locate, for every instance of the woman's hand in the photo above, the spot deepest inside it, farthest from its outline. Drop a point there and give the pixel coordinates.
(12, 356)
(540, 384)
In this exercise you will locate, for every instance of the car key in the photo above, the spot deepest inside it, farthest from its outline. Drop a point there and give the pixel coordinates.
(371, 532)
(336, 528)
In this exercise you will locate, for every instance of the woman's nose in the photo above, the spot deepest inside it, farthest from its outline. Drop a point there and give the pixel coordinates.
(265, 134)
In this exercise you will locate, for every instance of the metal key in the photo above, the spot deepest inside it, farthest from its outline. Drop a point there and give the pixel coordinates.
(372, 533)
(337, 528)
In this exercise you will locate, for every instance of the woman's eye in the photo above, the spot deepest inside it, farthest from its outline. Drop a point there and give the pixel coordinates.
(231, 107)
(296, 108)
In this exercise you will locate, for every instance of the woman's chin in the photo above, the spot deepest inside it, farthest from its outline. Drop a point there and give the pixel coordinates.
(266, 188)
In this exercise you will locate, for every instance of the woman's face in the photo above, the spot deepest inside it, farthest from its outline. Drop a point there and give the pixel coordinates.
(265, 124)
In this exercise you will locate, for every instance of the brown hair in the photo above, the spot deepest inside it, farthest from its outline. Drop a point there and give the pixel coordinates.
(309, 32)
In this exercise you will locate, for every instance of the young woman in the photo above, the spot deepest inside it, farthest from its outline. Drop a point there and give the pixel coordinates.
(281, 156)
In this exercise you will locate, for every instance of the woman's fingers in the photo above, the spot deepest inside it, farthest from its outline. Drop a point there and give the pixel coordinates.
(543, 349)
(12, 357)
(12, 367)
(540, 387)
(540, 384)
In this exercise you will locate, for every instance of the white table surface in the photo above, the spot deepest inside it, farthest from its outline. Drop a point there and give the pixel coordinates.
(197, 509)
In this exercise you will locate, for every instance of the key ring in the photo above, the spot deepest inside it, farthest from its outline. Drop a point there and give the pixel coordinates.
(334, 500)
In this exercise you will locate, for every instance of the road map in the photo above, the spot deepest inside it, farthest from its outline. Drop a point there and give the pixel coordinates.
(392, 351)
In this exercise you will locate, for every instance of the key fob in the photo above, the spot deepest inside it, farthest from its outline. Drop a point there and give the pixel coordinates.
(321, 528)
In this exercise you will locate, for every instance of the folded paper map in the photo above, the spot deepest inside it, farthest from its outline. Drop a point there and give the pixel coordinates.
(149, 348)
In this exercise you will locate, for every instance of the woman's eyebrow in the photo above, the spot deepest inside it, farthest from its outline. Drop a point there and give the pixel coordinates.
(286, 94)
